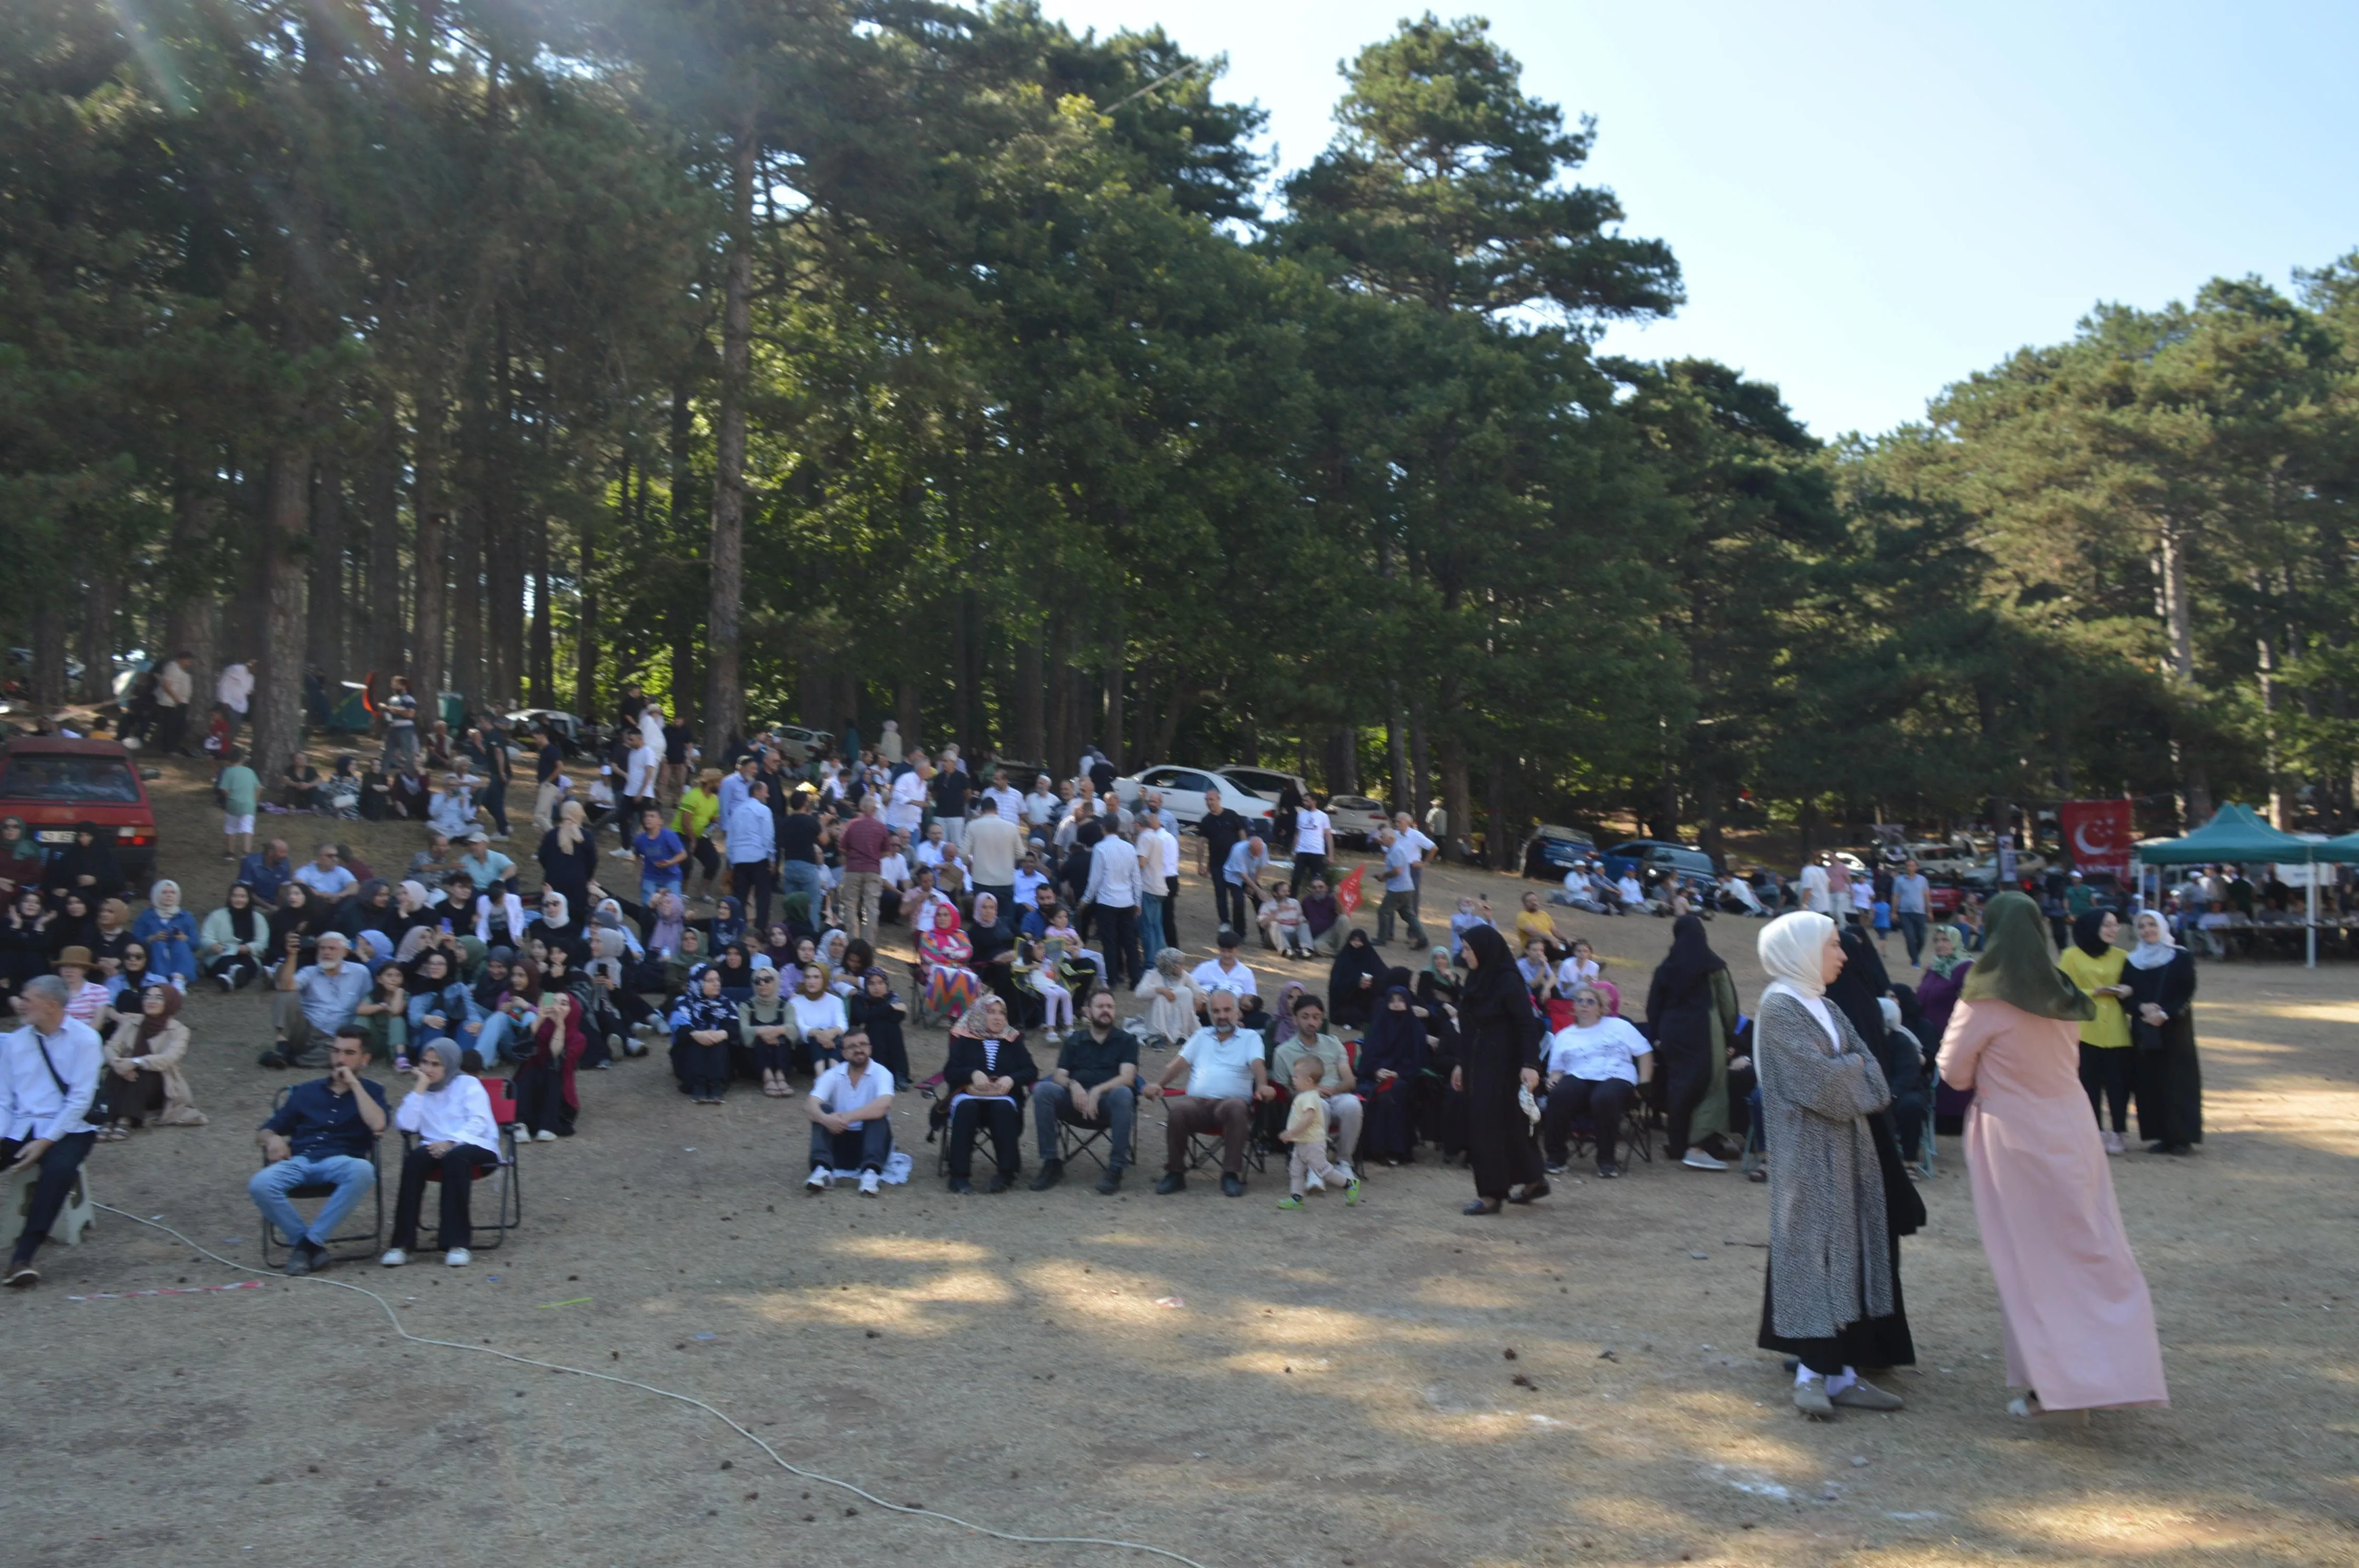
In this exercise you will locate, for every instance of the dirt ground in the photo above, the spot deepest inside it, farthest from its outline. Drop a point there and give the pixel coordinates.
(1238, 1385)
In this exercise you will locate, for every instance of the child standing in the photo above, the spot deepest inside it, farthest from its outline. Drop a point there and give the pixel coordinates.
(1882, 915)
(1306, 1129)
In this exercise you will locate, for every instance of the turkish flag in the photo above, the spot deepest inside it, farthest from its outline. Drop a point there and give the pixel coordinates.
(2099, 836)
(1347, 891)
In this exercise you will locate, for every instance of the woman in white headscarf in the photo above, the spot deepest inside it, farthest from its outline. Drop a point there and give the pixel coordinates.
(1832, 1295)
(2170, 1080)
(170, 933)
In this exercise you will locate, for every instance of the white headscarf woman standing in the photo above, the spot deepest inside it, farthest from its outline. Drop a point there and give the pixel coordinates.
(1832, 1297)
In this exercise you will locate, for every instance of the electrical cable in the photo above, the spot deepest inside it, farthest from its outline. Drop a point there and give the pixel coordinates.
(722, 1416)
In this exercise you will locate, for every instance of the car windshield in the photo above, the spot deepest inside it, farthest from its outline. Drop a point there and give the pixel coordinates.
(58, 776)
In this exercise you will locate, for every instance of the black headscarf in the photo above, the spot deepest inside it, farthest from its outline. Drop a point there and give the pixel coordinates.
(243, 922)
(2086, 929)
(1690, 958)
(1495, 989)
(1395, 1039)
(1858, 990)
(1345, 999)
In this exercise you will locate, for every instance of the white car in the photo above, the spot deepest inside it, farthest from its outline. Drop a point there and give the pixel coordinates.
(1183, 791)
(1356, 818)
(1267, 783)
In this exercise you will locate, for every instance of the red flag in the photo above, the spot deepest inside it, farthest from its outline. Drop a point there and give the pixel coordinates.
(2098, 834)
(1347, 891)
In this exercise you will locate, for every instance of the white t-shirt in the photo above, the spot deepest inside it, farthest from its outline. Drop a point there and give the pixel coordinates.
(1575, 972)
(1310, 826)
(909, 808)
(1218, 1068)
(1606, 1050)
(1039, 808)
(1210, 976)
(1815, 890)
(928, 852)
(824, 1010)
(892, 871)
(1010, 804)
(836, 1093)
(1157, 852)
(1416, 841)
(639, 780)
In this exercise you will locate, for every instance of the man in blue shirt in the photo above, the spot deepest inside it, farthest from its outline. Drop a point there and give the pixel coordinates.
(267, 871)
(662, 855)
(753, 842)
(1401, 891)
(314, 1002)
(323, 1134)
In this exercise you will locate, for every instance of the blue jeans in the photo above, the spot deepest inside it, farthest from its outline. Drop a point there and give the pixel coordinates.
(864, 1149)
(650, 886)
(1150, 926)
(1053, 1100)
(499, 1029)
(269, 1186)
(1912, 933)
(800, 876)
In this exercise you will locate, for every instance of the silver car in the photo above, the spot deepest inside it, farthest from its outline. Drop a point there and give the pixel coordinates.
(1183, 791)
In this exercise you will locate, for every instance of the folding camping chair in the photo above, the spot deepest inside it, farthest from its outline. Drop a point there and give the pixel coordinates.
(504, 1172)
(1076, 1138)
(374, 1235)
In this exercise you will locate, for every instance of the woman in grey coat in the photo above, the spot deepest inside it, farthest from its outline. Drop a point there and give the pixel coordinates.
(1831, 1296)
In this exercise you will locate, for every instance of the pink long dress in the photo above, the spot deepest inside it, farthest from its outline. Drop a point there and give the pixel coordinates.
(2078, 1323)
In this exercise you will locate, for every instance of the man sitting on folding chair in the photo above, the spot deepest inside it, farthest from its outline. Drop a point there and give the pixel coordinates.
(851, 1110)
(1094, 1084)
(1337, 1085)
(49, 1074)
(323, 1134)
(1226, 1075)
(449, 1112)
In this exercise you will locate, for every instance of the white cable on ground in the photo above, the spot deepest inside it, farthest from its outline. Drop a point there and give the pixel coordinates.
(719, 1415)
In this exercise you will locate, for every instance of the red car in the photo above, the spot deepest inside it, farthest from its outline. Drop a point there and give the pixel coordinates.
(54, 783)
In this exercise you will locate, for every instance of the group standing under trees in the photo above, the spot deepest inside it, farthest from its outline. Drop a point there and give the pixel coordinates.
(846, 360)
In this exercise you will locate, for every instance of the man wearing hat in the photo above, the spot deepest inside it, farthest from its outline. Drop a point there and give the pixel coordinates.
(486, 866)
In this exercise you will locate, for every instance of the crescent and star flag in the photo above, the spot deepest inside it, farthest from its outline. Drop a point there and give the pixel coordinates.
(2098, 834)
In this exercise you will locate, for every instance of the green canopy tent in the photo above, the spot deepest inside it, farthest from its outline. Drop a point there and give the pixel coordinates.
(2237, 834)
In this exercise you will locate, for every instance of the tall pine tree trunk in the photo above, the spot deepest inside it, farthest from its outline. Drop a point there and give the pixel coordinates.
(195, 613)
(544, 633)
(1031, 728)
(324, 623)
(585, 627)
(474, 671)
(433, 545)
(277, 702)
(724, 703)
(382, 502)
(102, 598)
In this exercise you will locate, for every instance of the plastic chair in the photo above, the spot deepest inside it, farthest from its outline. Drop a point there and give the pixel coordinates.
(77, 1216)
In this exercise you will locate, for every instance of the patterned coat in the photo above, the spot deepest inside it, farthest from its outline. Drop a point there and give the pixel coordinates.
(1830, 1255)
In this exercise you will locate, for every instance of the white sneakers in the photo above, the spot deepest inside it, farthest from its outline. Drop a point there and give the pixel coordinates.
(544, 1136)
(458, 1257)
(1311, 1183)
(394, 1257)
(868, 1183)
(1697, 1160)
(821, 1180)
(2113, 1142)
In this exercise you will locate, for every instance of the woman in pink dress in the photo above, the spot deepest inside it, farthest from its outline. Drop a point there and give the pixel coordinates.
(2078, 1324)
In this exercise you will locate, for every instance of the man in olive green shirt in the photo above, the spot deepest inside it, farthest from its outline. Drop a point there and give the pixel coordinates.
(1336, 1084)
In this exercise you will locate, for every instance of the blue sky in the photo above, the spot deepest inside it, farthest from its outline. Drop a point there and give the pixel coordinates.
(1873, 200)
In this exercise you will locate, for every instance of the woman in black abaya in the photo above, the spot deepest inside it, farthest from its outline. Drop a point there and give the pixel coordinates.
(1500, 1055)
(2170, 1080)
(1355, 982)
(1689, 986)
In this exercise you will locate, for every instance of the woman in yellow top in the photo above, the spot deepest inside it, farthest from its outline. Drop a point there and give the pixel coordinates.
(2095, 964)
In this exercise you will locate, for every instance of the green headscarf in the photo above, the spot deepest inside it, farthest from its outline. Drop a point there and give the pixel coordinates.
(1958, 953)
(2015, 966)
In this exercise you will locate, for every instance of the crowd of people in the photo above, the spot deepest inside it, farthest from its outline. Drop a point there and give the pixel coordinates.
(1052, 914)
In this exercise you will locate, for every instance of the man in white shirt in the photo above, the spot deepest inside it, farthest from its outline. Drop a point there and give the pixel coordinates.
(1226, 973)
(1041, 805)
(906, 810)
(1312, 829)
(1011, 804)
(894, 875)
(1425, 850)
(234, 692)
(48, 1076)
(1029, 880)
(1226, 1076)
(932, 850)
(993, 841)
(1113, 891)
(1158, 862)
(850, 1111)
(175, 688)
(1818, 896)
(1628, 895)
(639, 774)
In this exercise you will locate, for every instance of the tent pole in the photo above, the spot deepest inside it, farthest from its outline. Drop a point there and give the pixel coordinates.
(2313, 911)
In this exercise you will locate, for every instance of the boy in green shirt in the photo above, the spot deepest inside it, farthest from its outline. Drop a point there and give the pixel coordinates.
(238, 790)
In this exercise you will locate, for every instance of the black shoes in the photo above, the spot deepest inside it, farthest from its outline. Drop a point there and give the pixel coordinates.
(303, 1258)
(1232, 1185)
(1111, 1183)
(961, 1184)
(270, 1059)
(1533, 1192)
(1051, 1173)
(998, 1184)
(1173, 1182)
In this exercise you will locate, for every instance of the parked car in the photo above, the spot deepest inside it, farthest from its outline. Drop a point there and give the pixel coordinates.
(1267, 783)
(54, 783)
(1183, 791)
(578, 736)
(1355, 818)
(1659, 854)
(1552, 851)
(1983, 875)
(798, 743)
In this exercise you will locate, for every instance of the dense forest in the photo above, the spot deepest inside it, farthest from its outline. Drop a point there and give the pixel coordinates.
(835, 361)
